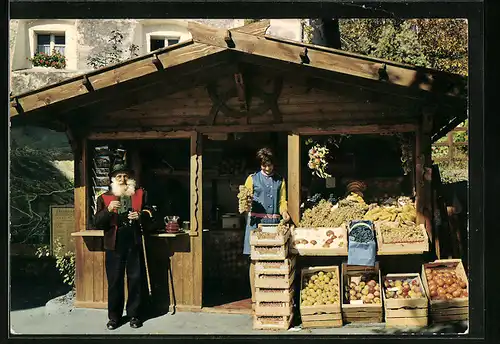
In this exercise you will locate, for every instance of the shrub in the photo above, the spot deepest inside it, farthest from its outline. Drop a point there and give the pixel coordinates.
(65, 261)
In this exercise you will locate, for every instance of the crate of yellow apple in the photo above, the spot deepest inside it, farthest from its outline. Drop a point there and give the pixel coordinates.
(320, 297)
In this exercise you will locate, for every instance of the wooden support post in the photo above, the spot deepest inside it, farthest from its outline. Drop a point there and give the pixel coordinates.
(196, 184)
(83, 289)
(294, 174)
(423, 178)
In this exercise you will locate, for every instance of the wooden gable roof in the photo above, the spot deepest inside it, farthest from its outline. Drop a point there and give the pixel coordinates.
(189, 63)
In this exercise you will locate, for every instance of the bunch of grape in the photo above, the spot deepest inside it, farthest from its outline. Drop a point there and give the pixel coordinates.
(320, 289)
(283, 227)
(317, 215)
(332, 199)
(245, 198)
(404, 233)
(361, 235)
(345, 213)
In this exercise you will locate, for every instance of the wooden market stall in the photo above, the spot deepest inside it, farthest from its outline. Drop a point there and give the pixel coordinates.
(229, 88)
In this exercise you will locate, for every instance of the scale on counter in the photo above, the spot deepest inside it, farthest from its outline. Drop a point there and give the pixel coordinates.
(231, 221)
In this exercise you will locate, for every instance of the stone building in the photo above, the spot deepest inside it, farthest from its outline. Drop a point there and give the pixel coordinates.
(80, 39)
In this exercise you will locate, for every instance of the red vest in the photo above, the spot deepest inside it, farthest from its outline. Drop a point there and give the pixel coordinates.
(136, 200)
(110, 236)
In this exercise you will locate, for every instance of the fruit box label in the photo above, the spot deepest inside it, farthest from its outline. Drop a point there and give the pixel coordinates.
(356, 302)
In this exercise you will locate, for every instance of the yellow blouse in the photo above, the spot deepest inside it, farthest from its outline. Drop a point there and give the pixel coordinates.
(283, 202)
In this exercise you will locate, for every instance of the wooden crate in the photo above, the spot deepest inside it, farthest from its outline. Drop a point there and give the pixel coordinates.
(267, 267)
(272, 323)
(264, 308)
(276, 239)
(447, 310)
(401, 248)
(279, 252)
(321, 315)
(270, 295)
(318, 250)
(360, 313)
(406, 312)
(278, 281)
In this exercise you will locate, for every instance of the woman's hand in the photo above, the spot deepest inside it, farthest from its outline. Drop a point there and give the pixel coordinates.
(286, 216)
(133, 215)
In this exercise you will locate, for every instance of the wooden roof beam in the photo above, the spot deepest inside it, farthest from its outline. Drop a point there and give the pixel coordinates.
(108, 77)
(256, 28)
(334, 60)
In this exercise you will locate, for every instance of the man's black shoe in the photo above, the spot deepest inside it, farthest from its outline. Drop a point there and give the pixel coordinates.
(135, 322)
(112, 324)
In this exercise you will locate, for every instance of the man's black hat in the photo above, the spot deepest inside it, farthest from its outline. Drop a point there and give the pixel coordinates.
(120, 168)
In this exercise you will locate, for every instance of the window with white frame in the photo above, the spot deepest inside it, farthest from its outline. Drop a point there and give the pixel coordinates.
(48, 42)
(158, 42)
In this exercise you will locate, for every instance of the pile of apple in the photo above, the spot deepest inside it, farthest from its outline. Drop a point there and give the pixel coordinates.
(444, 284)
(403, 289)
(366, 290)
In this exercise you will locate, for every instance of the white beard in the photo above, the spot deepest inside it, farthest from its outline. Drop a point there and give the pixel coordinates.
(123, 189)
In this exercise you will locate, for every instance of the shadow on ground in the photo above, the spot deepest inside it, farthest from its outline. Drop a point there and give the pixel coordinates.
(33, 282)
(448, 328)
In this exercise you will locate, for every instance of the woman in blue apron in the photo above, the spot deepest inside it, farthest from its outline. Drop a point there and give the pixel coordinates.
(269, 203)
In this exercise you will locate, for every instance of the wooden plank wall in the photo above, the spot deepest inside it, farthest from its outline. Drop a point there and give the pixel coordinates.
(298, 103)
(91, 283)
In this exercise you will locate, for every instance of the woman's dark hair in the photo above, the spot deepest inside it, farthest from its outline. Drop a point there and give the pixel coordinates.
(265, 156)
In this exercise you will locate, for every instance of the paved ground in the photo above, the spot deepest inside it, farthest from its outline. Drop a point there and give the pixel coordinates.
(41, 304)
(50, 320)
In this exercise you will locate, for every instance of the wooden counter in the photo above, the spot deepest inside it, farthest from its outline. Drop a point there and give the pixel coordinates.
(91, 283)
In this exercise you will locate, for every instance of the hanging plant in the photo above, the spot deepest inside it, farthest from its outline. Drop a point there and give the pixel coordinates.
(317, 160)
(321, 152)
(406, 153)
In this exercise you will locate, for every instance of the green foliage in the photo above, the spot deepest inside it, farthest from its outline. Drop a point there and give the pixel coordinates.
(383, 38)
(455, 171)
(65, 260)
(250, 21)
(308, 31)
(54, 60)
(34, 184)
(436, 43)
(113, 53)
(444, 43)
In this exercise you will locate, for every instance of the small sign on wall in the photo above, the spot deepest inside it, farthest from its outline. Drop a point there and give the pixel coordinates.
(330, 182)
(62, 224)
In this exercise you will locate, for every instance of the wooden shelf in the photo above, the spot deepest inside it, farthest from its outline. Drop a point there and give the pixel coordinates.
(100, 233)
(89, 233)
(168, 235)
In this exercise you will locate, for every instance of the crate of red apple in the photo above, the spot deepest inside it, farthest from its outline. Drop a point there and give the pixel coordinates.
(445, 281)
(405, 300)
(321, 241)
(361, 296)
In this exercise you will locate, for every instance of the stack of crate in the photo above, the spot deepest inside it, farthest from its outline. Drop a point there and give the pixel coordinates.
(321, 315)
(411, 312)
(447, 310)
(274, 277)
(357, 311)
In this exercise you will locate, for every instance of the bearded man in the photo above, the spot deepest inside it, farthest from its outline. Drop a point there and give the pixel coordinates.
(117, 214)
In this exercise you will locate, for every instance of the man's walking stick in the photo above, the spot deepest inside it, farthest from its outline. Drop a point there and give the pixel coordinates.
(145, 256)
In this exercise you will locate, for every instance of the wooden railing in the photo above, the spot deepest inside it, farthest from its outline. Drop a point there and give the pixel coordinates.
(451, 144)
